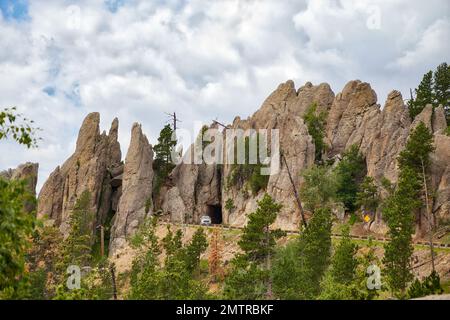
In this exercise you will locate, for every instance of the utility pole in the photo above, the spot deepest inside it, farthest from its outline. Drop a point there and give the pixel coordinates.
(173, 119)
(297, 198)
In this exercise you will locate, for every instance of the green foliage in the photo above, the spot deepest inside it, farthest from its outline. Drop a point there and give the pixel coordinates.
(350, 172)
(298, 269)
(441, 88)
(344, 263)
(347, 279)
(319, 187)
(14, 125)
(398, 213)
(229, 204)
(246, 280)
(176, 278)
(424, 95)
(194, 249)
(316, 126)
(162, 164)
(250, 274)
(77, 248)
(430, 285)
(16, 226)
(434, 89)
(96, 284)
(417, 149)
(368, 197)
(257, 240)
(250, 174)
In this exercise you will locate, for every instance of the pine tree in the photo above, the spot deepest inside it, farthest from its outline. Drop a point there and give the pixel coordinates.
(77, 247)
(257, 240)
(299, 268)
(350, 173)
(424, 95)
(177, 277)
(163, 164)
(344, 262)
(441, 88)
(417, 150)
(398, 212)
(251, 270)
(368, 197)
(193, 251)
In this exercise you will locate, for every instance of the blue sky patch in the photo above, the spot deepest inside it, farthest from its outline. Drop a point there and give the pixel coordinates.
(49, 91)
(113, 5)
(14, 9)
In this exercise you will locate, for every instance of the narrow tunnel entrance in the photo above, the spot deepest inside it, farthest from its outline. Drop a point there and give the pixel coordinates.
(215, 213)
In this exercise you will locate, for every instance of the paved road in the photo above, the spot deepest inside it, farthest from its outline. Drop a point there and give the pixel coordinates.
(334, 235)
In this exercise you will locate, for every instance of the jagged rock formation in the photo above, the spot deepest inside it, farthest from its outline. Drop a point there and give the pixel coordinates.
(354, 117)
(28, 172)
(89, 168)
(194, 190)
(136, 200)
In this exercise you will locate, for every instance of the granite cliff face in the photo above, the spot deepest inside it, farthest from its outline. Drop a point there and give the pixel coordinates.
(353, 117)
(123, 192)
(135, 202)
(88, 169)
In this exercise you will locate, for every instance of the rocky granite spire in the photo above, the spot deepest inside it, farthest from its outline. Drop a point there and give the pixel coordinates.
(136, 200)
(88, 169)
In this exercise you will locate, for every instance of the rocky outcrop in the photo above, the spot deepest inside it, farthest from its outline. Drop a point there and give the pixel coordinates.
(136, 200)
(386, 138)
(27, 172)
(353, 118)
(88, 169)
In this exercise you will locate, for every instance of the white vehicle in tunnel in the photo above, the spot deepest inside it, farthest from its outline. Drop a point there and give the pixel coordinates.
(205, 220)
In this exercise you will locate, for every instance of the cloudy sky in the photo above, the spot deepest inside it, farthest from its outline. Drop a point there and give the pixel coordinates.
(137, 59)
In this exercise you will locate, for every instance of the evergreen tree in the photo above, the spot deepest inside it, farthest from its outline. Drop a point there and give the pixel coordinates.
(298, 269)
(163, 164)
(417, 150)
(251, 270)
(441, 88)
(77, 247)
(196, 247)
(350, 173)
(368, 197)
(424, 95)
(257, 240)
(430, 285)
(176, 277)
(344, 262)
(398, 212)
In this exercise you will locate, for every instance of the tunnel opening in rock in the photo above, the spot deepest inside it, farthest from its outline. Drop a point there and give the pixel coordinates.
(215, 213)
